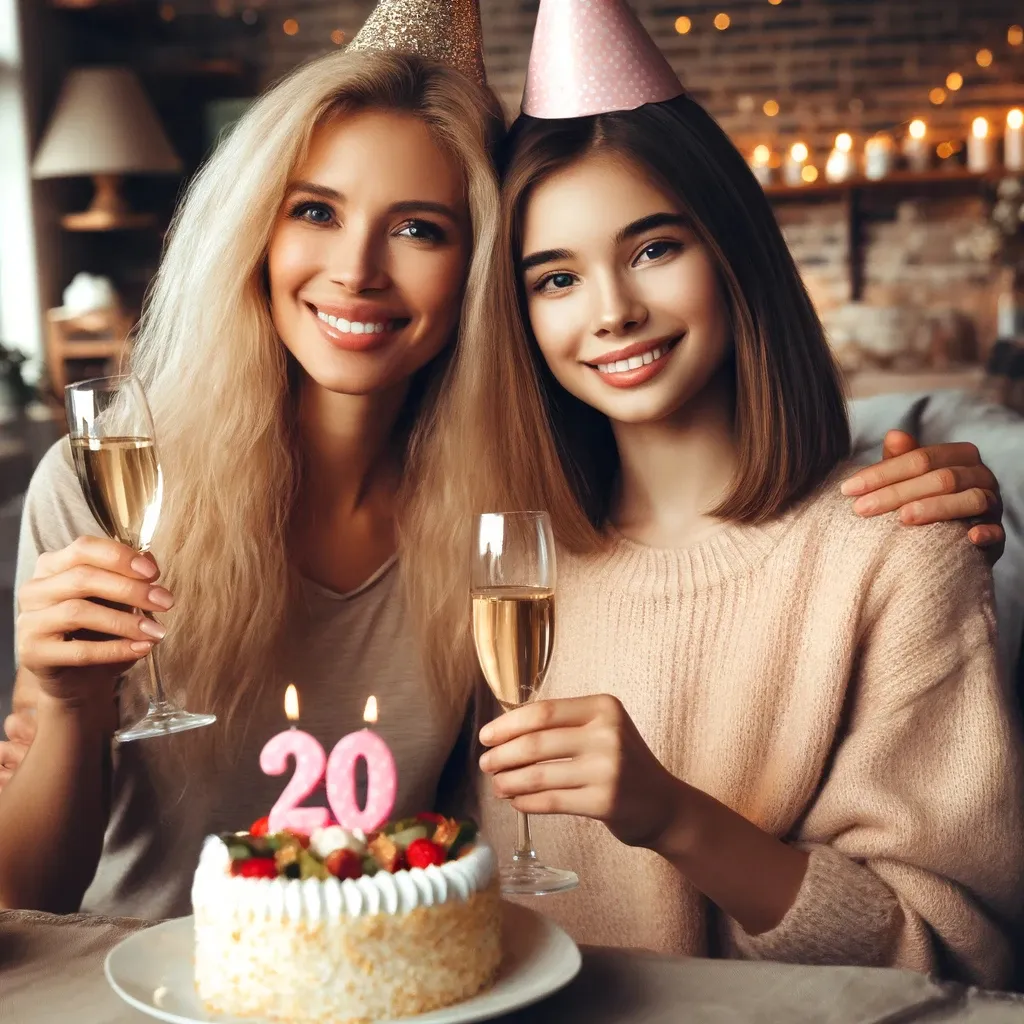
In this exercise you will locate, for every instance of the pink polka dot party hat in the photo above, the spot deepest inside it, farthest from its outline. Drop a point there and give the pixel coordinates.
(593, 57)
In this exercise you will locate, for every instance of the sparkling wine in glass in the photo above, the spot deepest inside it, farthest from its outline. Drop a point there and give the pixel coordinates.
(513, 591)
(114, 450)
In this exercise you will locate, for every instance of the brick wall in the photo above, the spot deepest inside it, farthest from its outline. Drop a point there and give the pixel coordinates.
(830, 65)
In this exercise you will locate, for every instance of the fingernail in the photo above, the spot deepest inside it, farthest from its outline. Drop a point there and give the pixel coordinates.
(855, 485)
(865, 506)
(153, 629)
(144, 566)
(486, 734)
(483, 763)
(160, 597)
(141, 647)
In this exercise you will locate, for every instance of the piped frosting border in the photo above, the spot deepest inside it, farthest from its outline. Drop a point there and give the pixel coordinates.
(215, 890)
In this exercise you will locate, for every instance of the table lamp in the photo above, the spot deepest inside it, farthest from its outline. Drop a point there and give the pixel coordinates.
(105, 127)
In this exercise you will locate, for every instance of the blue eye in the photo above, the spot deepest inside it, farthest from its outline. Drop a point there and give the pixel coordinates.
(312, 213)
(656, 250)
(422, 231)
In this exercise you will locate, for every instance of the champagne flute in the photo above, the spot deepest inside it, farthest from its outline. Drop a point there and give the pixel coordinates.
(114, 450)
(513, 591)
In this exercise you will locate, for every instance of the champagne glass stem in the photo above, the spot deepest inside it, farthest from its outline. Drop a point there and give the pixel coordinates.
(524, 850)
(157, 695)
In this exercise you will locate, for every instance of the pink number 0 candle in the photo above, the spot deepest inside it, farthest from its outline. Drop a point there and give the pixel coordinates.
(309, 769)
(381, 777)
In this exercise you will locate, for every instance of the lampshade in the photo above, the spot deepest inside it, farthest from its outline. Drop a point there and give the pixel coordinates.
(103, 124)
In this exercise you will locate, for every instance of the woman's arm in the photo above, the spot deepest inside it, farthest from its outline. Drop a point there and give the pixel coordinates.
(910, 854)
(916, 837)
(73, 641)
(54, 811)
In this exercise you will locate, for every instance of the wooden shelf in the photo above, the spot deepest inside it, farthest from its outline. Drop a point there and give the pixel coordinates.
(82, 5)
(896, 180)
(90, 221)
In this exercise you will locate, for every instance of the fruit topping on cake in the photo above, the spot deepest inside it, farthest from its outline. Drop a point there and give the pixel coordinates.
(422, 841)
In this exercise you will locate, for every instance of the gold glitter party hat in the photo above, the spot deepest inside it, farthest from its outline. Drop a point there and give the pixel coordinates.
(443, 30)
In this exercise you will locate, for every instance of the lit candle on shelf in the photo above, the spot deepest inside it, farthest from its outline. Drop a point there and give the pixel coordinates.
(839, 165)
(878, 156)
(309, 769)
(760, 164)
(792, 171)
(979, 147)
(1013, 142)
(915, 148)
(381, 777)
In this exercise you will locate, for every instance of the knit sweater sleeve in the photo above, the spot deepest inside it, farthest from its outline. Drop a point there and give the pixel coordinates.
(915, 836)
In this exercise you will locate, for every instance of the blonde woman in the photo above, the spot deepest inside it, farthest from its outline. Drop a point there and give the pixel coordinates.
(352, 194)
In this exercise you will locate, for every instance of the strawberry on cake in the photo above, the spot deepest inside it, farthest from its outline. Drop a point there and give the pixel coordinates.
(341, 927)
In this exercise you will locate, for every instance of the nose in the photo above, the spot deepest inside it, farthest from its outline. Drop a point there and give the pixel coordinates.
(618, 310)
(357, 261)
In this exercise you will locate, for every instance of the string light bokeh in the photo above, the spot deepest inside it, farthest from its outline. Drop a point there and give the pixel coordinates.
(959, 89)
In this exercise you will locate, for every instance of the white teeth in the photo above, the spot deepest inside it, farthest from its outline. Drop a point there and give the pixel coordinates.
(634, 362)
(351, 327)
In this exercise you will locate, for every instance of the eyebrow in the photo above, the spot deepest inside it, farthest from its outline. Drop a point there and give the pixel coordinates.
(650, 223)
(631, 230)
(406, 206)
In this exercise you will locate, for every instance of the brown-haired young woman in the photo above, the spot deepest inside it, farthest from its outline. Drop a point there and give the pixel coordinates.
(771, 728)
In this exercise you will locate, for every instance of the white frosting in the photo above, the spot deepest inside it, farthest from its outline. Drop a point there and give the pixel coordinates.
(325, 841)
(216, 890)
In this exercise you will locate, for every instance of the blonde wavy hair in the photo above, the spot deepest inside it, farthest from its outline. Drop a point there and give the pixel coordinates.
(219, 380)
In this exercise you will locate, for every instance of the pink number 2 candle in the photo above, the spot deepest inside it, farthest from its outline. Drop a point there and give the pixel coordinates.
(309, 769)
(381, 777)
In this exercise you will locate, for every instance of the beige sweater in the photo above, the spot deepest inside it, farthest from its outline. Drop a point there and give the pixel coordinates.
(834, 680)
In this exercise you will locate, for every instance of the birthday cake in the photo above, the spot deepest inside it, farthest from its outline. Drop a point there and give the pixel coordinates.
(343, 927)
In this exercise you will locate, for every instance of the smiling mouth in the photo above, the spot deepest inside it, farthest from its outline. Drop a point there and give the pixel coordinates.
(636, 362)
(344, 326)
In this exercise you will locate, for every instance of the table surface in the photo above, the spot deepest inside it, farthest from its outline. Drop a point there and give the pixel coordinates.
(51, 972)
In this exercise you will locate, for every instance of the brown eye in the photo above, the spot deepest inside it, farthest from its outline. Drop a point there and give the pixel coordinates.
(656, 250)
(422, 231)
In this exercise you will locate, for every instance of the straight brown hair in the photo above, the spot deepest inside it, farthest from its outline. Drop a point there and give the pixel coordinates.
(507, 435)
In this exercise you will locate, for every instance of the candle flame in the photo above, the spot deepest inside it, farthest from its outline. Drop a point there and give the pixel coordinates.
(291, 703)
(762, 154)
(1015, 119)
(918, 129)
(979, 128)
(844, 142)
(799, 152)
(370, 714)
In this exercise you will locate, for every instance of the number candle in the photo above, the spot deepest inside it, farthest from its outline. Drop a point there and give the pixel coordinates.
(309, 769)
(381, 777)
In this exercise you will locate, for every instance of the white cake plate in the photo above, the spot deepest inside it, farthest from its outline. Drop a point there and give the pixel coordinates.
(152, 971)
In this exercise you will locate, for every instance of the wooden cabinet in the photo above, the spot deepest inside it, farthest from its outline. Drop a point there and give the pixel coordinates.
(101, 338)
